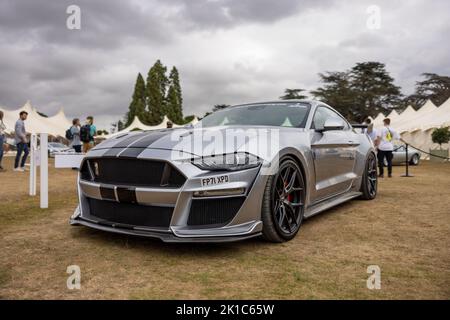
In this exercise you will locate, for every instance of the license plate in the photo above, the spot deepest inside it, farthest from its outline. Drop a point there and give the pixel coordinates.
(211, 181)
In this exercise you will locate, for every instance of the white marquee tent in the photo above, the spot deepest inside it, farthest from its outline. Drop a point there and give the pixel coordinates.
(416, 127)
(55, 125)
(136, 124)
(59, 123)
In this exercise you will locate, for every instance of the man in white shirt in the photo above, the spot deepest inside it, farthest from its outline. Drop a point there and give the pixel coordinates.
(385, 136)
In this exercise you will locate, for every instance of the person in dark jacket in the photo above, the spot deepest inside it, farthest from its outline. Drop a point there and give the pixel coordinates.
(20, 137)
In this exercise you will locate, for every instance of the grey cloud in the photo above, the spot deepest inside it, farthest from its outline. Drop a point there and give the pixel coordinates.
(105, 24)
(227, 51)
(230, 13)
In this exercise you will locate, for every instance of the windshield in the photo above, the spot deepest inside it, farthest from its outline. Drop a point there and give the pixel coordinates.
(288, 114)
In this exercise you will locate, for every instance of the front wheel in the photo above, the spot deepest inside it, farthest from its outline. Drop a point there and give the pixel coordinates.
(283, 203)
(369, 182)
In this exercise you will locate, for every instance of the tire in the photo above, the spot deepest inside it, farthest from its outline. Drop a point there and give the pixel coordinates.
(283, 202)
(369, 183)
(415, 160)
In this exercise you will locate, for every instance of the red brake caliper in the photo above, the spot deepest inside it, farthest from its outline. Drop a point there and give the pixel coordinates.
(289, 197)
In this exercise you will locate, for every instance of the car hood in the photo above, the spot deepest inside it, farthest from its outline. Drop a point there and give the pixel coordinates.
(201, 141)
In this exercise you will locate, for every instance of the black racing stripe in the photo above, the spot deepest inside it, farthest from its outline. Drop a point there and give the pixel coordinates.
(131, 152)
(107, 193)
(127, 195)
(127, 141)
(112, 152)
(152, 137)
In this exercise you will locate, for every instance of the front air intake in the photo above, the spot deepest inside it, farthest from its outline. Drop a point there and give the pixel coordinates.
(132, 172)
(129, 214)
(218, 211)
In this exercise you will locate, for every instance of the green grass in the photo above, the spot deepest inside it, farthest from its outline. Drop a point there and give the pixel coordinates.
(408, 239)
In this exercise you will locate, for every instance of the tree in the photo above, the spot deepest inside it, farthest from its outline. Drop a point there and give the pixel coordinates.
(137, 105)
(120, 125)
(290, 94)
(188, 119)
(102, 132)
(365, 90)
(218, 107)
(435, 87)
(156, 93)
(373, 89)
(440, 136)
(336, 91)
(174, 100)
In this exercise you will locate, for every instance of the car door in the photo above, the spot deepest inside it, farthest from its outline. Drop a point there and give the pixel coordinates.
(334, 153)
(399, 154)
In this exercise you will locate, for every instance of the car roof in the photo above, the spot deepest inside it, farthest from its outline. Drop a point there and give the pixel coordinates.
(306, 101)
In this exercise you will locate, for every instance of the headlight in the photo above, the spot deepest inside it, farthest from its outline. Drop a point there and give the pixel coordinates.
(228, 162)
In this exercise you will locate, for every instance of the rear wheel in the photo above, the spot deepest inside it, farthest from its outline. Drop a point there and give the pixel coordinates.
(415, 160)
(369, 184)
(283, 203)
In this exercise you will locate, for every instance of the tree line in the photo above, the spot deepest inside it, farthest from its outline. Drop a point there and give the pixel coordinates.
(367, 89)
(159, 95)
(364, 90)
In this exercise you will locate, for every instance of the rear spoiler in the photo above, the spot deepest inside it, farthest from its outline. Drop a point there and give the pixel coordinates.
(359, 126)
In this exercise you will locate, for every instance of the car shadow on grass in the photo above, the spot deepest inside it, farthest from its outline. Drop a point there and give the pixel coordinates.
(154, 245)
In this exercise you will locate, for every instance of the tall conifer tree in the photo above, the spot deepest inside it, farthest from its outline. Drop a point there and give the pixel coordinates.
(137, 105)
(156, 93)
(174, 103)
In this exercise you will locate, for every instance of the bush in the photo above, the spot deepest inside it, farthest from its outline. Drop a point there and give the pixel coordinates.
(440, 136)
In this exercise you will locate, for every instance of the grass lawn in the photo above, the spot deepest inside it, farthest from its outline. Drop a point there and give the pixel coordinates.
(405, 231)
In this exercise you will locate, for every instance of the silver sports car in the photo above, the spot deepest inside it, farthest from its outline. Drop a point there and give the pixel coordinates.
(249, 170)
(399, 156)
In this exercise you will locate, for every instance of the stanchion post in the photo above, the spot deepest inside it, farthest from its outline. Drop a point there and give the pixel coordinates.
(406, 162)
(33, 147)
(44, 171)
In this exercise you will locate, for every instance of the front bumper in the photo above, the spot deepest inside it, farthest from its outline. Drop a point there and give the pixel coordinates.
(245, 224)
(230, 234)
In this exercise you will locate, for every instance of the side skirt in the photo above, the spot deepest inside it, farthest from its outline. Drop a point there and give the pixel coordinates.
(325, 205)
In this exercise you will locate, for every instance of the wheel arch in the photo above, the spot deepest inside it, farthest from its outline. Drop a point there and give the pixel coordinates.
(302, 163)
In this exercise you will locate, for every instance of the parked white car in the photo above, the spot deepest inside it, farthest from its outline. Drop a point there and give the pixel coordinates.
(56, 147)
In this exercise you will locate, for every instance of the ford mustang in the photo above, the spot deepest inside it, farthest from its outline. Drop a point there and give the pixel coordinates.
(249, 170)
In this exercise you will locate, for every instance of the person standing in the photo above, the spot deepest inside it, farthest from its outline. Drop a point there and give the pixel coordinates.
(87, 134)
(20, 137)
(75, 143)
(385, 146)
(2, 139)
(371, 132)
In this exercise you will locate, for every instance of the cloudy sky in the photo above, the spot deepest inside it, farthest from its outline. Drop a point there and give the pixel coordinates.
(227, 51)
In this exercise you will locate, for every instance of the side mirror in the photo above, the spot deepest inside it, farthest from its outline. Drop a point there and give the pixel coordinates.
(332, 124)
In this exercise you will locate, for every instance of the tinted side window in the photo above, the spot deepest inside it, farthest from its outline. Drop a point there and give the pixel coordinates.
(323, 114)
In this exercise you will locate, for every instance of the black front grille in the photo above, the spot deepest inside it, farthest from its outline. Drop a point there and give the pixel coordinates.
(214, 211)
(130, 214)
(132, 172)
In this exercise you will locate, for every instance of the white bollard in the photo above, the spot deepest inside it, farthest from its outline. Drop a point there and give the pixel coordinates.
(44, 171)
(33, 164)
